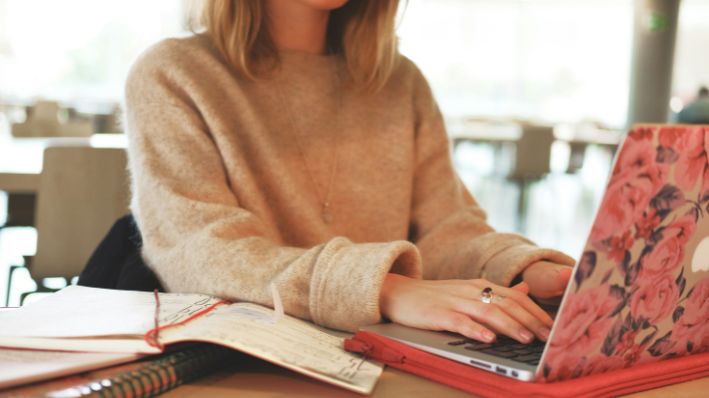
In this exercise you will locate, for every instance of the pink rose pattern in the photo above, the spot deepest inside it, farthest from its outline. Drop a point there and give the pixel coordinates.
(636, 178)
(691, 331)
(659, 190)
(653, 300)
(591, 311)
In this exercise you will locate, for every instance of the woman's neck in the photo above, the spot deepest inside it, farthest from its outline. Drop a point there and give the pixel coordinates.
(295, 26)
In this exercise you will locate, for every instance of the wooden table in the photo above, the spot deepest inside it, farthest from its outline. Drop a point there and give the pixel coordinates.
(19, 182)
(258, 379)
(491, 133)
(509, 131)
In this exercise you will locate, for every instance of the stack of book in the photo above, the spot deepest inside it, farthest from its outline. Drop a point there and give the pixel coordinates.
(158, 341)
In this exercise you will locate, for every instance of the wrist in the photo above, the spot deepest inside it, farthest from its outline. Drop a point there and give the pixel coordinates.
(392, 283)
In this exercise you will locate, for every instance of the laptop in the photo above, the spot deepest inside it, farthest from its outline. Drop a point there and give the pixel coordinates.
(640, 291)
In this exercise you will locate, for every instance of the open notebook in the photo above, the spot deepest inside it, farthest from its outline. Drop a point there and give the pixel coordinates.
(100, 320)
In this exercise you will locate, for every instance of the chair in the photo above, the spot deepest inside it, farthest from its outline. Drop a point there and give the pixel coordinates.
(531, 163)
(82, 191)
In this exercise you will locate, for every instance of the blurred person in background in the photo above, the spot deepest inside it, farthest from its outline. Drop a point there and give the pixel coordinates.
(697, 111)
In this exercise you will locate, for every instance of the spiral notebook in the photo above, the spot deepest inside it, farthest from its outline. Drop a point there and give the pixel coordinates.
(87, 319)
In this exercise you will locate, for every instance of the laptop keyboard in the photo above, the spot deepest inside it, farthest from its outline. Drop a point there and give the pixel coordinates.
(505, 347)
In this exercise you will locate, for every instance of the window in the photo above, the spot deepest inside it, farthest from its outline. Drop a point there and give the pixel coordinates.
(77, 50)
(554, 60)
(691, 68)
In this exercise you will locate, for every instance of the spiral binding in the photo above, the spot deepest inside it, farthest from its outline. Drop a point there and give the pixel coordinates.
(156, 376)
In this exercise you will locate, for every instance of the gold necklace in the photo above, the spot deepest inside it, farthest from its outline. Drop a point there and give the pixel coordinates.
(326, 213)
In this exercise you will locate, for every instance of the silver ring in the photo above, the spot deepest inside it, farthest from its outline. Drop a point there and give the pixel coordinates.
(486, 295)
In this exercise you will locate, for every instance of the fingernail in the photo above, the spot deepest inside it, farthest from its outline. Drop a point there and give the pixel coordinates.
(526, 335)
(565, 270)
(487, 335)
(522, 287)
(544, 332)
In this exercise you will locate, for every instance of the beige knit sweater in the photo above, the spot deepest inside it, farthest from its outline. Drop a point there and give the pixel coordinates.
(229, 199)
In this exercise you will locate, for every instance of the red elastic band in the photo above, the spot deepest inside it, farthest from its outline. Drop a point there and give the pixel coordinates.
(152, 336)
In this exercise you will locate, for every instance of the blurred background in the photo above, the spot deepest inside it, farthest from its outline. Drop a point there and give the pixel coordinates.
(537, 95)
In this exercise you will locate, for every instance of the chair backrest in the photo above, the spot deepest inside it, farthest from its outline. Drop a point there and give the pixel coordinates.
(533, 152)
(82, 191)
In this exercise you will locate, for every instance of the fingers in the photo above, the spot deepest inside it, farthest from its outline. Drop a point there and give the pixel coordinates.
(525, 318)
(518, 293)
(513, 313)
(564, 277)
(522, 287)
(456, 306)
(492, 316)
(547, 279)
(459, 323)
(526, 302)
(471, 289)
(565, 260)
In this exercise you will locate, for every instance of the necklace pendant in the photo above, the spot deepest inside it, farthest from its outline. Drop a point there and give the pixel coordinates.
(326, 213)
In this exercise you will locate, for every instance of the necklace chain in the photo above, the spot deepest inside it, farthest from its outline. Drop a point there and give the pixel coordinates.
(325, 203)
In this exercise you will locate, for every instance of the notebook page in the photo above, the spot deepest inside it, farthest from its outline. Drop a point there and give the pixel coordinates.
(289, 342)
(85, 315)
(25, 366)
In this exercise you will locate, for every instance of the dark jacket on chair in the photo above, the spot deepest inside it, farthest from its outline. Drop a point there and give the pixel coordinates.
(116, 263)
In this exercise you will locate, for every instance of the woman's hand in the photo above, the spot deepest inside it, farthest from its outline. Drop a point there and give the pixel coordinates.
(455, 305)
(547, 281)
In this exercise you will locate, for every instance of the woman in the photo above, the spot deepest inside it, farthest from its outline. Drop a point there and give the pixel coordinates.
(292, 144)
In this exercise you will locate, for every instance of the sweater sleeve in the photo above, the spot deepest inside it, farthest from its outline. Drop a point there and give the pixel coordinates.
(448, 225)
(197, 238)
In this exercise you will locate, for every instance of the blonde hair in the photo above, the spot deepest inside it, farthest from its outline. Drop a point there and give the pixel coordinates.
(362, 31)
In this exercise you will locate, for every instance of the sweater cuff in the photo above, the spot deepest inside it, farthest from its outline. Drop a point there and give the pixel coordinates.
(504, 266)
(347, 280)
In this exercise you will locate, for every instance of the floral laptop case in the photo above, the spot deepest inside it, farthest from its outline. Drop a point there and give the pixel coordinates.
(641, 290)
